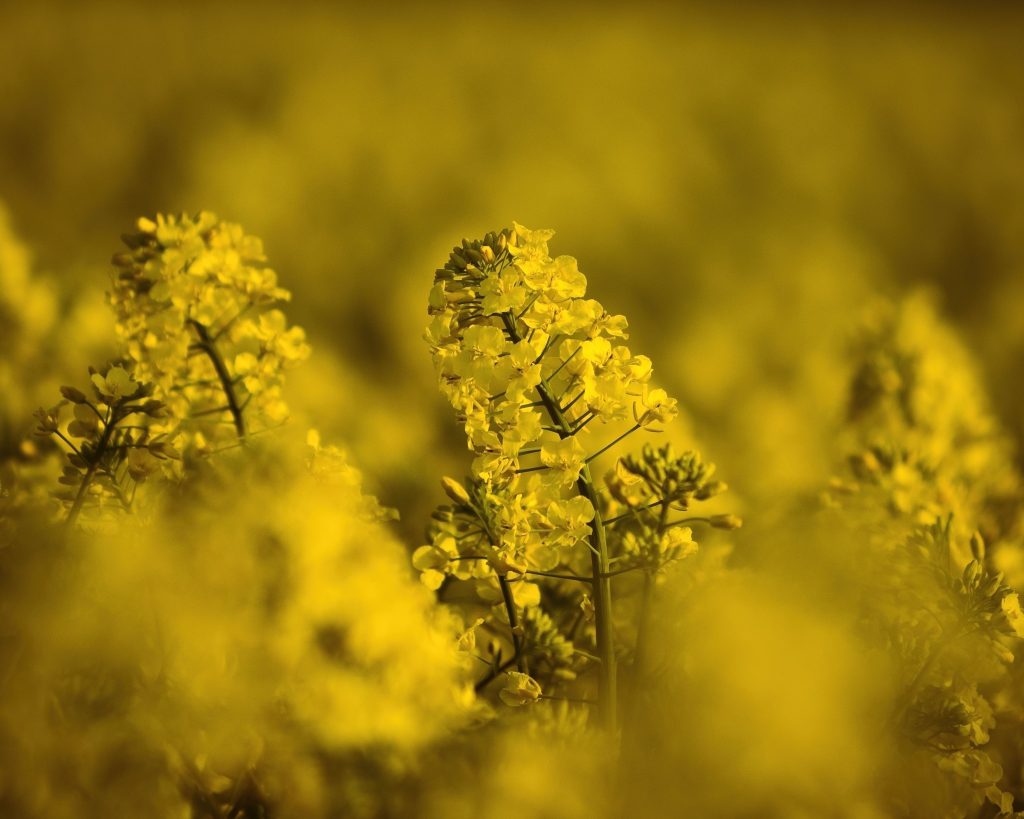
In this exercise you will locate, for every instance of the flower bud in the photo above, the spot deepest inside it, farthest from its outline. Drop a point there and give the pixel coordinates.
(978, 546)
(727, 522)
(455, 490)
(710, 490)
(75, 396)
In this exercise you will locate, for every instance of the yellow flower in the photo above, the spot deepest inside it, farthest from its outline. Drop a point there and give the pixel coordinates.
(655, 407)
(565, 458)
(485, 340)
(519, 689)
(677, 543)
(503, 292)
(115, 384)
(1010, 605)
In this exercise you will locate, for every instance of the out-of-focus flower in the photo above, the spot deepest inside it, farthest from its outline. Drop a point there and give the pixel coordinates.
(197, 311)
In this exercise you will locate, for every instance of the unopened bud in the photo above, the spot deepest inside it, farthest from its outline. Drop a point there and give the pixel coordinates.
(710, 490)
(726, 521)
(587, 607)
(865, 464)
(75, 396)
(455, 490)
(978, 546)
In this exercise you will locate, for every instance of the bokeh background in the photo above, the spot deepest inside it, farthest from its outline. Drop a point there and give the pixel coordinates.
(743, 181)
(738, 180)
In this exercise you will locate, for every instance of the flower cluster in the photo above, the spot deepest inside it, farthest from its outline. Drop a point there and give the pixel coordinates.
(274, 603)
(536, 372)
(533, 369)
(279, 656)
(928, 476)
(110, 447)
(646, 490)
(921, 430)
(528, 362)
(198, 312)
(953, 662)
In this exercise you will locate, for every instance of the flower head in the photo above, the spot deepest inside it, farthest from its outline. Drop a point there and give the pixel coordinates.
(197, 311)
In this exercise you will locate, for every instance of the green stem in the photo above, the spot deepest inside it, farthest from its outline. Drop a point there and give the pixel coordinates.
(607, 686)
(640, 651)
(558, 369)
(632, 511)
(101, 446)
(936, 652)
(582, 700)
(513, 621)
(206, 344)
(630, 733)
(68, 442)
(606, 447)
(558, 576)
(484, 681)
(686, 521)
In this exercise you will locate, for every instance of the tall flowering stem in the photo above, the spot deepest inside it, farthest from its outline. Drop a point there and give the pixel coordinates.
(535, 371)
(600, 578)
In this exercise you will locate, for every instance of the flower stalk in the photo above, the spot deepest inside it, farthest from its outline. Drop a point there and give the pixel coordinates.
(207, 344)
(600, 579)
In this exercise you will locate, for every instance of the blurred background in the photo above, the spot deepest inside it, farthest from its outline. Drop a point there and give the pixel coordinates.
(740, 181)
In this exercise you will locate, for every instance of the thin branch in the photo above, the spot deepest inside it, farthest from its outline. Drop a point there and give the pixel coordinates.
(482, 683)
(583, 700)
(578, 578)
(558, 369)
(580, 424)
(97, 456)
(631, 512)
(529, 304)
(227, 325)
(550, 343)
(213, 411)
(67, 441)
(605, 448)
(572, 403)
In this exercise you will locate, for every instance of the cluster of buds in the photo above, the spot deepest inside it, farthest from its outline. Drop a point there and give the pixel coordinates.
(660, 473)
(110, 446)
(644, 489)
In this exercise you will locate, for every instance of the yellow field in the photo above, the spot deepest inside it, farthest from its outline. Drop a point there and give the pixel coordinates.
(814, 223)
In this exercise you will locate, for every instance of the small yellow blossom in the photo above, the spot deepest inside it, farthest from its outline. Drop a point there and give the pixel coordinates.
(519, 689)
(1010, 605)
(116, 383)
(565, 457)
(654, 407)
